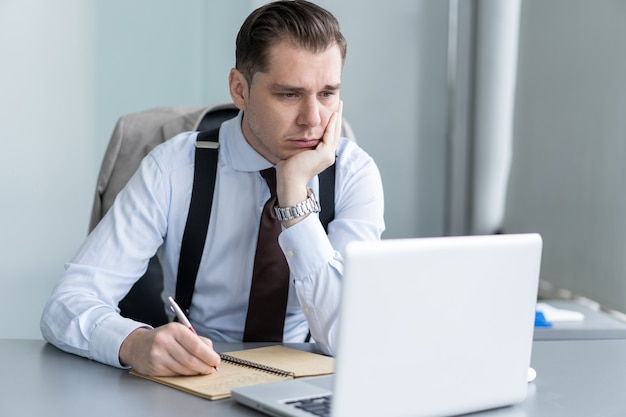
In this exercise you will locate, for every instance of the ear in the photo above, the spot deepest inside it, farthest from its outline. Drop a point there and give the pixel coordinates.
(238, 89)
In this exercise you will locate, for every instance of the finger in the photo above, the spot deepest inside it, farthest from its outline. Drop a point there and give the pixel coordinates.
(339, 122)
(198, 356)
(215, 357)
(165, 352)
(335, 128)
(177, 351)
(182, 362)
(189, 365)
(332, 133)
(207, 354)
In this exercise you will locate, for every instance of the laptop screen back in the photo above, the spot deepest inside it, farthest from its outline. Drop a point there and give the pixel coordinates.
(436, 326)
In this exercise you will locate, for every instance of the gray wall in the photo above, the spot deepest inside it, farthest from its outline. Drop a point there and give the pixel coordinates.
(47, 155)
(568, 180)
(71, 68)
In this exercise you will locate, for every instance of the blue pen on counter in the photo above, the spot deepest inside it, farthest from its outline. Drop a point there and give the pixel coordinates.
(540, 320)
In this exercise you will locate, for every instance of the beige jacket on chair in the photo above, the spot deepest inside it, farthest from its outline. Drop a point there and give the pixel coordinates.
(134, 136)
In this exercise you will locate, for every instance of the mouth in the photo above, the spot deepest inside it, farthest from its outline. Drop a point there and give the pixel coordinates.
(305, 142)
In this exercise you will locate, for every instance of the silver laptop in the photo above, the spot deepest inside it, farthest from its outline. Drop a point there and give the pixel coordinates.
(428, 327)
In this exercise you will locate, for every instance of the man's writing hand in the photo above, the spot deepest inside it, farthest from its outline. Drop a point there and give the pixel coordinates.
(168, 350)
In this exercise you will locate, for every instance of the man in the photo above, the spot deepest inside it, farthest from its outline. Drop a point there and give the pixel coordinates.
(289, 58)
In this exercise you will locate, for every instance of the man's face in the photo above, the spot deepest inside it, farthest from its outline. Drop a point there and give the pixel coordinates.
(287, 108)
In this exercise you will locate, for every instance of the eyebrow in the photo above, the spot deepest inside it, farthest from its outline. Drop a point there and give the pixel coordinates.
(285, 87)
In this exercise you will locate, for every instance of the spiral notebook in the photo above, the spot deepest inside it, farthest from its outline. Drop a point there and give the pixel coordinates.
(428, 327)
(249, 367)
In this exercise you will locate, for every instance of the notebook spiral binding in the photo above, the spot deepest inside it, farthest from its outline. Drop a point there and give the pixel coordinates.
(242, 362)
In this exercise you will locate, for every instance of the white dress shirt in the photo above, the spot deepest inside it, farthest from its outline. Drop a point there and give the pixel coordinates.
(149, 217)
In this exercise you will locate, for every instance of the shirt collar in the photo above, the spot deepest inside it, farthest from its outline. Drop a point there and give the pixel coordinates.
(241, 156)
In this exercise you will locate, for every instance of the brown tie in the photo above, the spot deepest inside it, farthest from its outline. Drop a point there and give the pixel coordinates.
(270, 278)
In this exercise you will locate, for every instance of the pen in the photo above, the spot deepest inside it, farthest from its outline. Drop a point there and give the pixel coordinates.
(182, 318)
(180, 315)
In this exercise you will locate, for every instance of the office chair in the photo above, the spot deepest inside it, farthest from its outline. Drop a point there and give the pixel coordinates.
(134, 136)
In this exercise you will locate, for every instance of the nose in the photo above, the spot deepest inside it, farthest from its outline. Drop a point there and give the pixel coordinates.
(309, 114)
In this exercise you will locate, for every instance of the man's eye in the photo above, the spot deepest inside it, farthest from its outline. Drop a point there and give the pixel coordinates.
(289, 95)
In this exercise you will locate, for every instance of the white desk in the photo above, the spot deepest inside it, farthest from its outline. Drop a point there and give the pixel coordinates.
(577, 378)
(596, 325)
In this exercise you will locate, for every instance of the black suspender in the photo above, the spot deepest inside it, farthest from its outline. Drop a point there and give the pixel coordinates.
(327, 195)
(194, 237)
(197, 225)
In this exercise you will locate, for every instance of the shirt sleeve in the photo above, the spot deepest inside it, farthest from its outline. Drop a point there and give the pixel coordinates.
(82, 314)
(316, 259)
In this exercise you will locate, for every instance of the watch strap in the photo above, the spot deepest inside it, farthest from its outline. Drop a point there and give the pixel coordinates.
(310, 205)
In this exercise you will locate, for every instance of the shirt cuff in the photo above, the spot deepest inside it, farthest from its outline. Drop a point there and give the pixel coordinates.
(108, 336)
(306, 247)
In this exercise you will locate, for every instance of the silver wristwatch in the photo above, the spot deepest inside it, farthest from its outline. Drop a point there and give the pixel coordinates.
(310, 205)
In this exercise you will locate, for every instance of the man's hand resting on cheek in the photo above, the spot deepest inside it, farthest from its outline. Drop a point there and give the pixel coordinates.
(293, 174)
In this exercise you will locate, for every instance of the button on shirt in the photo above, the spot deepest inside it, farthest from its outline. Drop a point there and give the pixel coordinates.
(149, 217)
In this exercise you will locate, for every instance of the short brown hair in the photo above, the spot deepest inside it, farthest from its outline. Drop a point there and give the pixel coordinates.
(300, 22)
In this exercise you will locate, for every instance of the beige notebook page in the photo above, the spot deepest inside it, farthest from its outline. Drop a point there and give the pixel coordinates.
(295, 361)
(217, 385)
